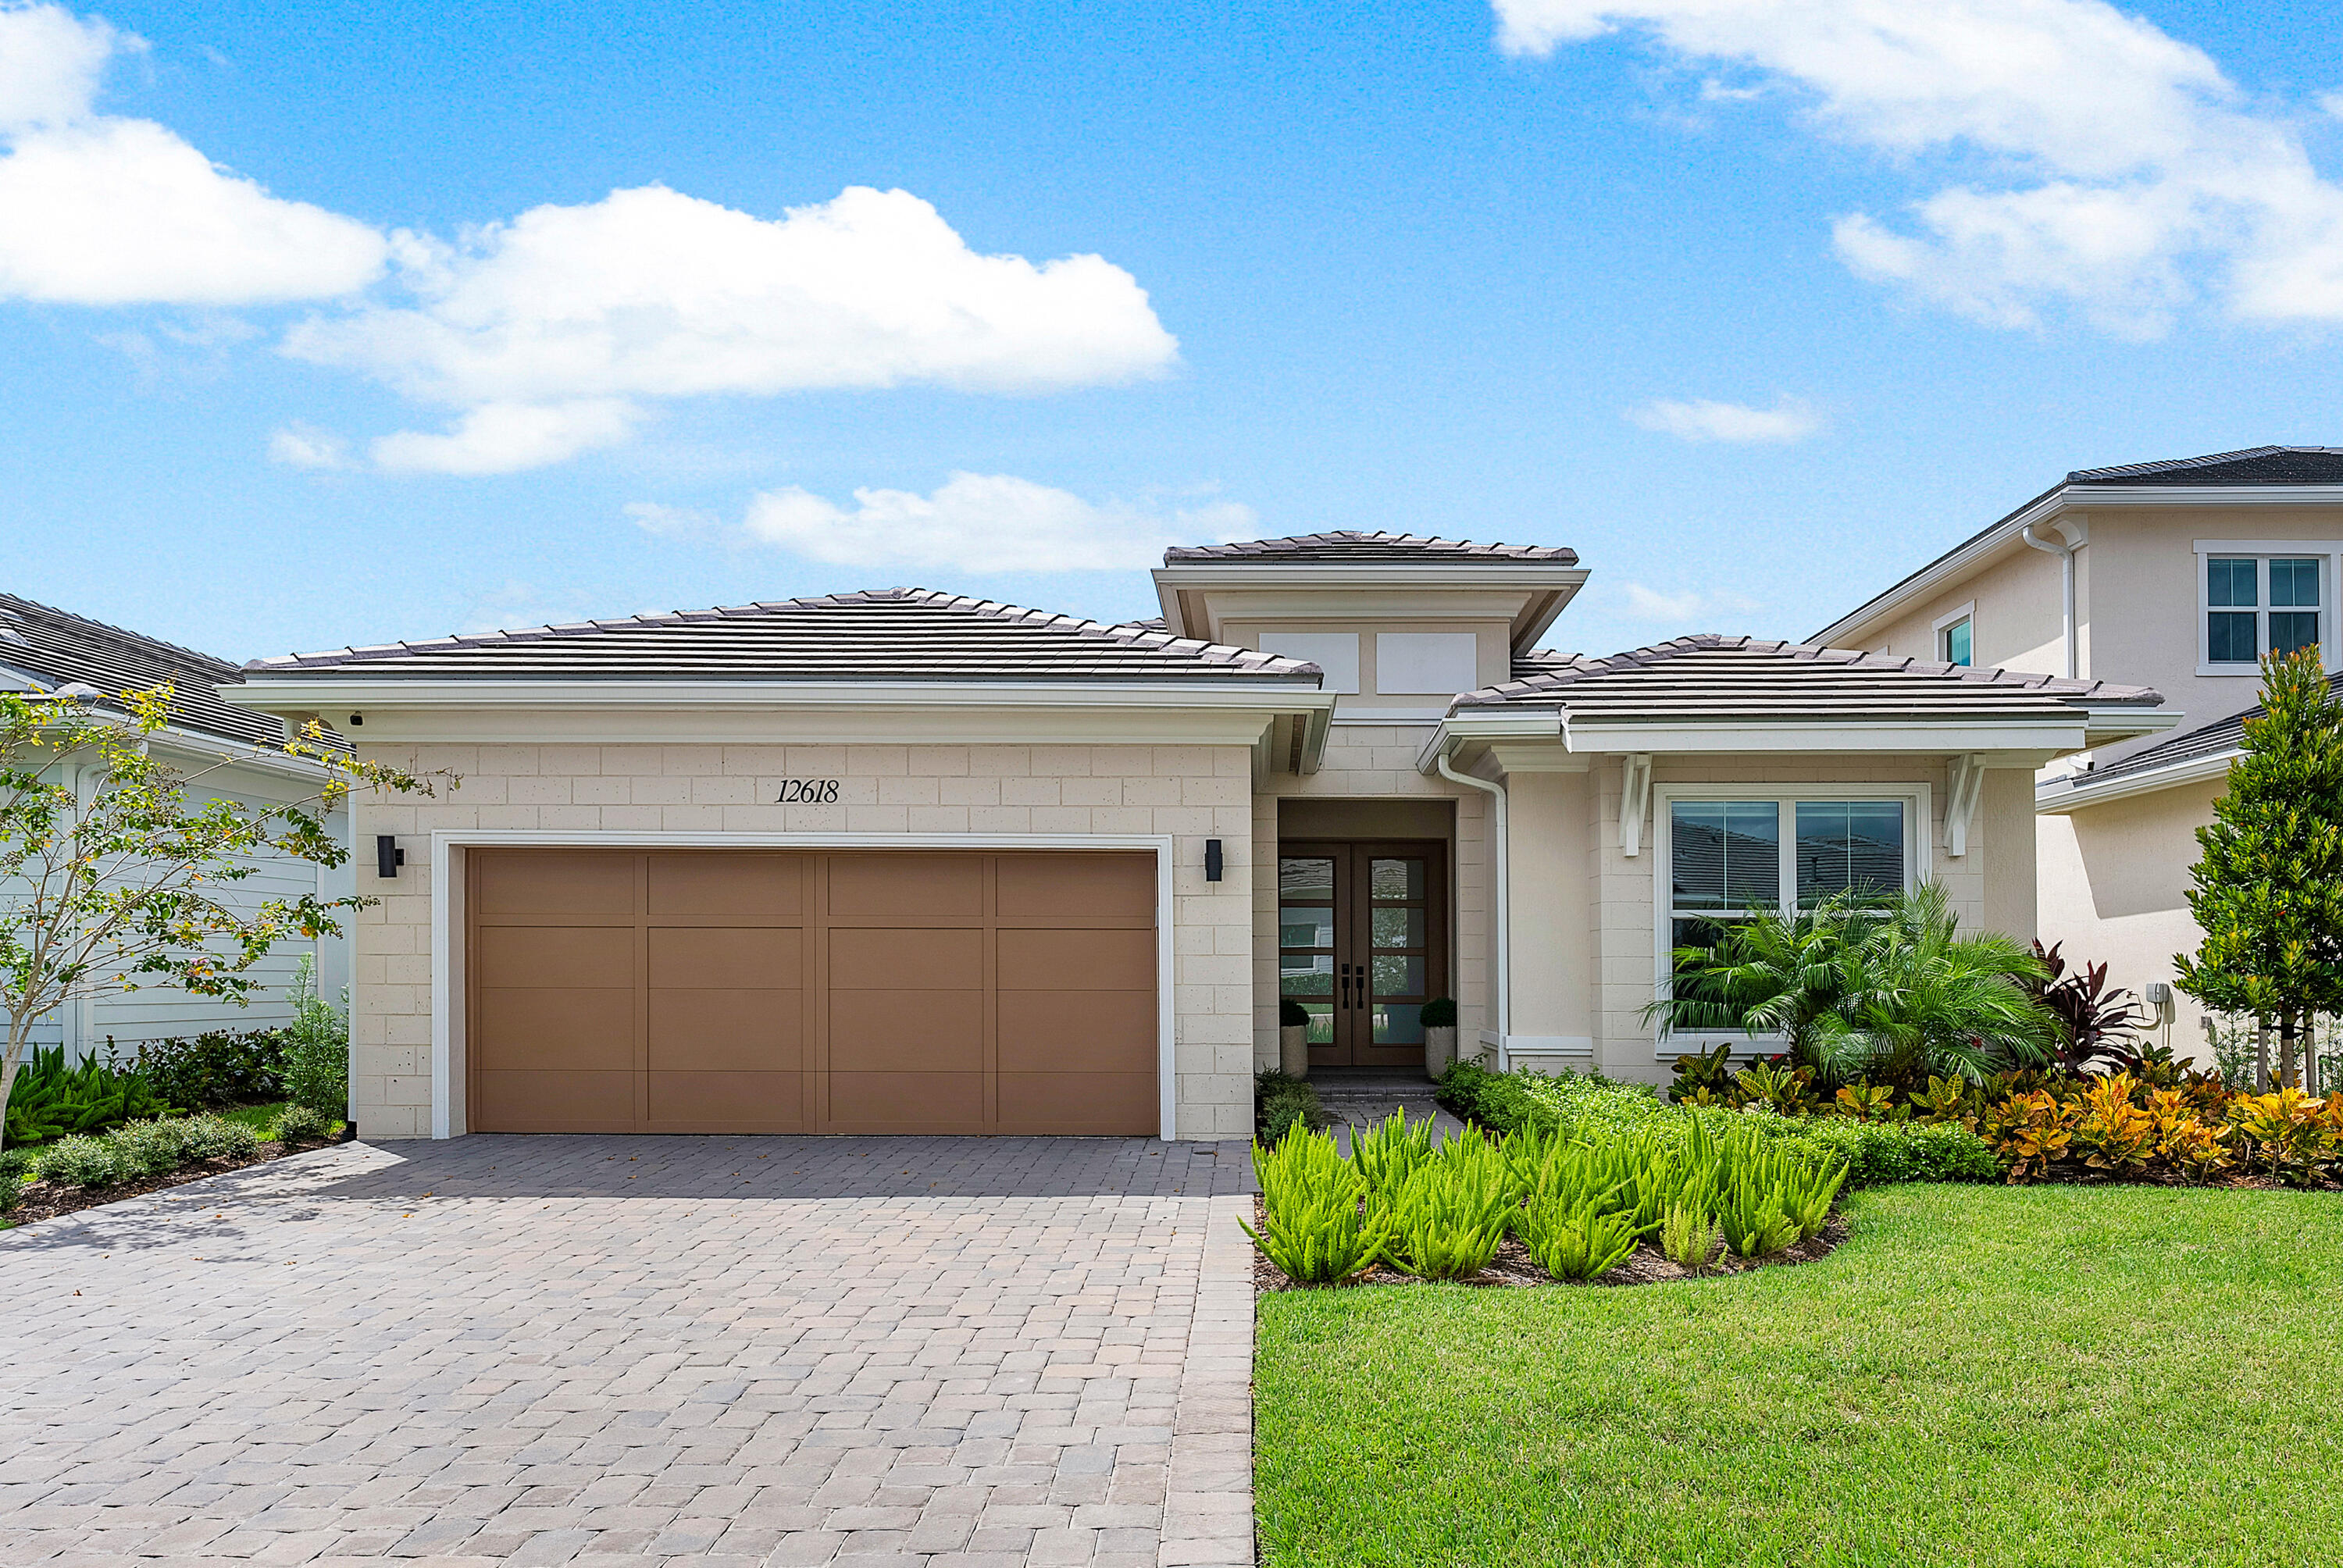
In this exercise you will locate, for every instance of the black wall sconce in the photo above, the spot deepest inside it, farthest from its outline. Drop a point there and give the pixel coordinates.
(387, 856)
(1212, 859)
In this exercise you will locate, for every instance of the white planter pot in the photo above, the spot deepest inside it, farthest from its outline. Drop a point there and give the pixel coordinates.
(1439, 1050)
(1293, 1049)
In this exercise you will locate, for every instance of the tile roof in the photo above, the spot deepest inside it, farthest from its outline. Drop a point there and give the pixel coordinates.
(1348, 545)
(883, 636)
(1708, 676)
(43, 648)
(2251, 466)
(2220, 737)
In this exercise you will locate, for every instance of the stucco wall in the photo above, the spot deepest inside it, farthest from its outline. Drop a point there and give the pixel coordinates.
(2020, 615)
(1188, 792)
(2115, 879)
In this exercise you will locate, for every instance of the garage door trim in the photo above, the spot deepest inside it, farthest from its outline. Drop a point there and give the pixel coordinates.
(447, 923)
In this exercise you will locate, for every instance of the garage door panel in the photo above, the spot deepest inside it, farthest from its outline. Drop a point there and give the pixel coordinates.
(554, 882)
(711, 1102)
(1095, 1103)
(907, 1031)
(563, 957)
(794, 992)
(587, 1029)
(1085, 886)
(1076, 960)
(1078, 1032)
(727, 1029)
(907, 1101)
(509, 1100)
(899, 884)
(711, 882)
(683, 957)
(893, 957)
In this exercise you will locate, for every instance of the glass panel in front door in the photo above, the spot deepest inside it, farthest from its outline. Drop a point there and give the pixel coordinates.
(1398, 920)
(1305, 939)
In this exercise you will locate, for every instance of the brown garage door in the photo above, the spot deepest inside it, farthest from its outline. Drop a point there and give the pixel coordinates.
(772, 991)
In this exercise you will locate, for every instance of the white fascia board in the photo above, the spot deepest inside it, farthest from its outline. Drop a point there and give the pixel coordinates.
(1532, 577)
(2104, 725)
(2048, 738)
(2056, 798)
(2070, 497)
(1465, 729)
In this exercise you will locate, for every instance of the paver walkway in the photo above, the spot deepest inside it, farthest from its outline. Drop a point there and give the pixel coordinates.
(752, 1351)
(1359, 1103)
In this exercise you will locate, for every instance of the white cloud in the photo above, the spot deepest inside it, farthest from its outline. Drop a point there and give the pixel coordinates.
(304, 445)
(650, 293)
(2132, 179)
(1702, 419)
(549, 334)
(507, 437)
(98, 210)
(971, 523)
(1642, 603)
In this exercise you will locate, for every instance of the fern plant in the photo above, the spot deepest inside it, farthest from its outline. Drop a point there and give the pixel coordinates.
(1314, 1228)
(1688, 1237)
(1576, 1243)
(1450, 1218)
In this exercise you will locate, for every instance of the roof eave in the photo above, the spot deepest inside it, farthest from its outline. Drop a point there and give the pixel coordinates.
(2064, 498)
(2058, 797)
(290, 695)
(1560, 583)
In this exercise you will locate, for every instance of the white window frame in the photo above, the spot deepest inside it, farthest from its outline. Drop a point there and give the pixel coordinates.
(2328, 552)
(1945, 624)
(1919, 837)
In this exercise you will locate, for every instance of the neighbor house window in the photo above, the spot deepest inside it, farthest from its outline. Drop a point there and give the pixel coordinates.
(2255, 604)
(1728, 859)
(1953, 641)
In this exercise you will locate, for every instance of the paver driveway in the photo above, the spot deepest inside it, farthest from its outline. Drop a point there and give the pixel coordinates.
(636, 1350)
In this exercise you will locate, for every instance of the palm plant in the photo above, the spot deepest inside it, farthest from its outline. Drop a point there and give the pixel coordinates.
(1889, 989)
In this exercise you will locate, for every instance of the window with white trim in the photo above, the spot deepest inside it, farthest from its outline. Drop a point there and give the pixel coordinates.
(2257, 604)
(1728, 858)
(1954, 642)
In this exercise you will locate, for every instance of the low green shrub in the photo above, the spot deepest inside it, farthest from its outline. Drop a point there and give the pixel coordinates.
(80, 1160)
(1292, 1014)
(317, 1051)
(209, 1137)
(18, 1162)
(1575, 1242)
(1282, 1103)
(1316, 1226)
(215, 1068)
(1580, 1105)
(301, 1124)
(1880, 1153)
(1440, 1012)
(12, 1192)
(148, 1147)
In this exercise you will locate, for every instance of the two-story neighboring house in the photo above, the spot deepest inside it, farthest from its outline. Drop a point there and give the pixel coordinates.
(2175, 575)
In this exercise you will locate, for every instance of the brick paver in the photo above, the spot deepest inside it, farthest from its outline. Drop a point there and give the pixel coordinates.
(614, 1350)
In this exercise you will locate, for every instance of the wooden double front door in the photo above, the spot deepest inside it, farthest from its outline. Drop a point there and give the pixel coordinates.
(1363, 944)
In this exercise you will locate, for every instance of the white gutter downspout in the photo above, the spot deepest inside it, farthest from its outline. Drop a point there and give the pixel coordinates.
(2065, 554)
(1498, 923)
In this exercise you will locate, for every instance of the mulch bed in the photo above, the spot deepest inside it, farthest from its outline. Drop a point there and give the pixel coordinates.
(1514, 1266)
(48, 1200)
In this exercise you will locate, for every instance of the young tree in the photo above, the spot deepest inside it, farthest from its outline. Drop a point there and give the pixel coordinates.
(2269, 891)
(111, 878)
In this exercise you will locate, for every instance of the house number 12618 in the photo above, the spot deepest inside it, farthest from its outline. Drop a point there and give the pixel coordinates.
(809, 792)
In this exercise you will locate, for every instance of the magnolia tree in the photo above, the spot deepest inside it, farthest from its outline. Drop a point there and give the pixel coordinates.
(112, 878)
(2269, 891)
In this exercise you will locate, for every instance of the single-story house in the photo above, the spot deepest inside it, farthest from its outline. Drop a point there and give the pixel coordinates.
(904, 862)
(230, 752)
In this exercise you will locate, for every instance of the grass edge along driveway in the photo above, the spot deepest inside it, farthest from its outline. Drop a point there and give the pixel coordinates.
(2119, 1376)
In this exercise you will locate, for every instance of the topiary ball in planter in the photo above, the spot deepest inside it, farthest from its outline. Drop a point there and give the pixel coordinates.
(1293, 1037)
(1439, 1036)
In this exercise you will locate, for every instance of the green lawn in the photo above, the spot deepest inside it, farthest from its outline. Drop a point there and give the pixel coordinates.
(2058, 1376)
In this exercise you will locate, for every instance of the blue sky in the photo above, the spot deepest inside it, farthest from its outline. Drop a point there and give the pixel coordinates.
(1755, 303)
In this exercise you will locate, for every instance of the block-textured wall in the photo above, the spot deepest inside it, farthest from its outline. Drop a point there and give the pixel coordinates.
(1190, 793)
